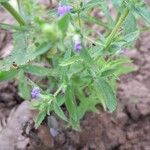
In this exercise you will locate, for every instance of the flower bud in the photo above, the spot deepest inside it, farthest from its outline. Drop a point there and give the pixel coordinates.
(51, 31)
(77, 46)
(64, 9)
(35, 93)
(77, 43)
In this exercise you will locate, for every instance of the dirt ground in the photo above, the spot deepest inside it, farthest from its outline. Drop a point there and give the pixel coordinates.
(127, 129)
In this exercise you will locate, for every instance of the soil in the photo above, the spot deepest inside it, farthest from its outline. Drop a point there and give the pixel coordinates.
(126, 129)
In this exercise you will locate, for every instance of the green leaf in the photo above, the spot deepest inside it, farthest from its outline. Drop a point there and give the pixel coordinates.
(39, 70)
(23, 52)
(89, 61)
(86, 104)
(107, 93)
(130, 29)
(124, 70)
(58, 111)
(92, 3)
(39, 119)
(84, 54)
(8, 75)
(18, 55)
(60, 100)
(24, 89)
(82, 109)
(29, 9)
(130, 24)
(70, 103)
(116, 3)
(70, 60)
(112, 68)
(63, 23)
(120, 61)
(104, 7)
(130, 37)
(43, 48)
(143, 11)
(108, 71)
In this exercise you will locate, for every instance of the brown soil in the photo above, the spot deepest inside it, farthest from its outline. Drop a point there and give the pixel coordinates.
(127, 129)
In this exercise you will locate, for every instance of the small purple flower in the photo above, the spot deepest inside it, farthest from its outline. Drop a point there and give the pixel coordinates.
(77, 46)
(62, 10)
(35, 93)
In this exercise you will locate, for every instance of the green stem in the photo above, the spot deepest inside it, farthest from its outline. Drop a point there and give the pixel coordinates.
(58, 90)
(79, 19)
(116, 28)
(14, 13)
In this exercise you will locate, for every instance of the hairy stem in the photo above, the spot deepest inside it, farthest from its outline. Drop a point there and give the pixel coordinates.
(116, 28)
(14, 13)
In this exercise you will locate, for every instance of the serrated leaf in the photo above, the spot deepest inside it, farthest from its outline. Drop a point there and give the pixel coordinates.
(108, 71)
(130, 37)
(85, 107)
(114, 66)
(119, 61)
(29, 9)
(84, 54)
(105, 9)
(125, 70)
(130, 24)
(143, 11)
(18, 54)
(107, 94)
(39, 119)
(58, 111)
(70, 60)
(60, 100)
(24, 89)
(23, 52)
(70, 103)
(92, 3)
(86, 104)
(103, 5)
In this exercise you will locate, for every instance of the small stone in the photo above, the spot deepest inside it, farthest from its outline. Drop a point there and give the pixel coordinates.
(54, 132)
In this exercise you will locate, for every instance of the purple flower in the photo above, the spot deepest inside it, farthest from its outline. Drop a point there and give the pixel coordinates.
(77, 46)
(62, 10)
(35, 93)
